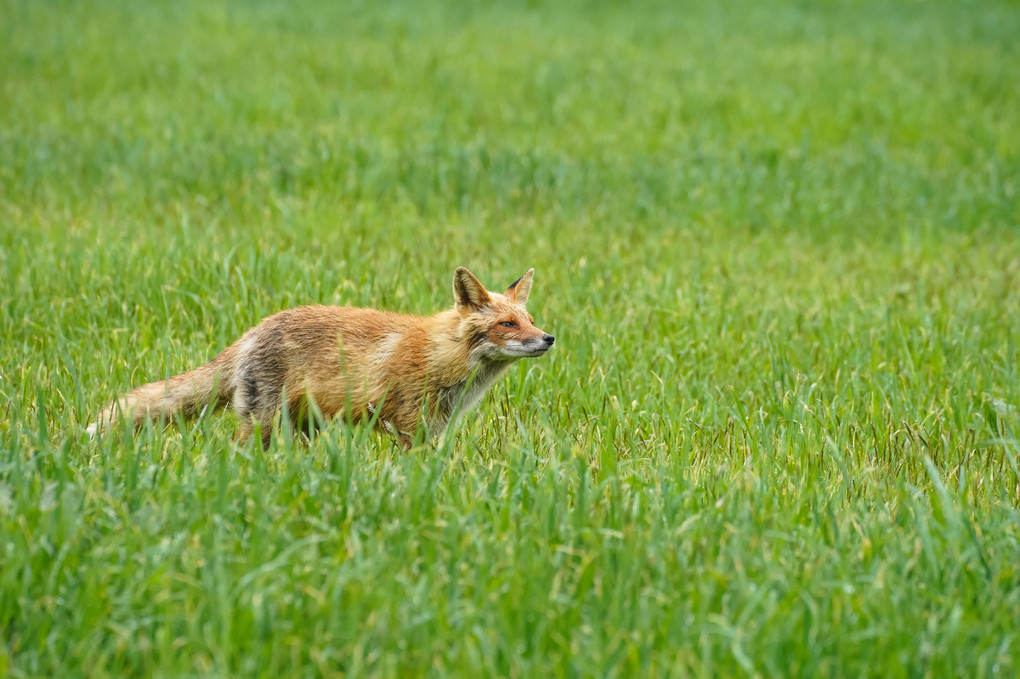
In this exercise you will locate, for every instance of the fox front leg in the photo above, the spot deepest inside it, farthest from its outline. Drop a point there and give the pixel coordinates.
(403, 438)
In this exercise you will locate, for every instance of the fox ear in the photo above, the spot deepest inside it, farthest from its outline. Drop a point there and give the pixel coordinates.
(520, 289)
(467, 291)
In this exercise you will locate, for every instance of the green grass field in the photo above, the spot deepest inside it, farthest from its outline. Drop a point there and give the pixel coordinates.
(778, 243)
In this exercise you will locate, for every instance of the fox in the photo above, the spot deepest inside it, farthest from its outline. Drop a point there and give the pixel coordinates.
(399, 371)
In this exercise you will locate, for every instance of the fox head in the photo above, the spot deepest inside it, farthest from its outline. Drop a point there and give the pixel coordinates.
(498, 326)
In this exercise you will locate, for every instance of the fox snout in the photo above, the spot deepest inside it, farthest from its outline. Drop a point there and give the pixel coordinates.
(536, 346)
(544, 342)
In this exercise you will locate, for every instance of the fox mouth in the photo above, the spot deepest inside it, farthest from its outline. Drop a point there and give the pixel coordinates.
(526, 350)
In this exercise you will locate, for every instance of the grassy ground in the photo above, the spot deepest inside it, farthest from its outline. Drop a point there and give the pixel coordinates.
(777, 244)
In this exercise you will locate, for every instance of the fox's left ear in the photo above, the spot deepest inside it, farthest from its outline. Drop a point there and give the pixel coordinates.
(520, 289)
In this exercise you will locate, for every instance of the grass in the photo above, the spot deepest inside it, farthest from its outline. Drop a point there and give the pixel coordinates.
(777, 243)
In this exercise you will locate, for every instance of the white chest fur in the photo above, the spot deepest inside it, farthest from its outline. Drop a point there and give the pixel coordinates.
(461, 397)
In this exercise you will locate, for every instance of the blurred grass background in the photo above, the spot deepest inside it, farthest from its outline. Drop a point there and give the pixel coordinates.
(777, 243)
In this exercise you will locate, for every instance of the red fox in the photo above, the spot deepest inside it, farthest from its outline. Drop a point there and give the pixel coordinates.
(396, 368)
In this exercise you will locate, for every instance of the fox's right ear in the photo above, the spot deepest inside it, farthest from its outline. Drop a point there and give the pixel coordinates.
(467, 291)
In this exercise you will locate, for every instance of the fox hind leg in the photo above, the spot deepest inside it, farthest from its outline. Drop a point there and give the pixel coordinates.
(256, 402)
(247, 428)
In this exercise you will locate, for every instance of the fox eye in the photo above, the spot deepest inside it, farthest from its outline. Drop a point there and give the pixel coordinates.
(508, 324)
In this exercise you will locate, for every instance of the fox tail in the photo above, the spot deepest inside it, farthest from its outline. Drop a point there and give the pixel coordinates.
(185, 395)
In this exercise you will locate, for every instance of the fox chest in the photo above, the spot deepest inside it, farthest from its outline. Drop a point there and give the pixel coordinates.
(462, 396)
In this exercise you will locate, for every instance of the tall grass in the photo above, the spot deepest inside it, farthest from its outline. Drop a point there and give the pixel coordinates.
(777, 244)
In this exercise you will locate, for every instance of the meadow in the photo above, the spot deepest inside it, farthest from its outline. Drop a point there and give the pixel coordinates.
(778, 245)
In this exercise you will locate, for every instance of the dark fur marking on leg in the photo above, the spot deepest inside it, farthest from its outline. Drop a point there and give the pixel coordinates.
(251, 390)
(267, 373)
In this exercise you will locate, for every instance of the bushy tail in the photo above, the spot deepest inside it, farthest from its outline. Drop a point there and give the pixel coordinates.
(185, 395)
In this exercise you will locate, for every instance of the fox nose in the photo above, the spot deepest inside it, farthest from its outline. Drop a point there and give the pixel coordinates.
(548, 339)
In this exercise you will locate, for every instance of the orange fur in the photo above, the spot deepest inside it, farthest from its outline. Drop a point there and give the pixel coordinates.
(398, 368)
